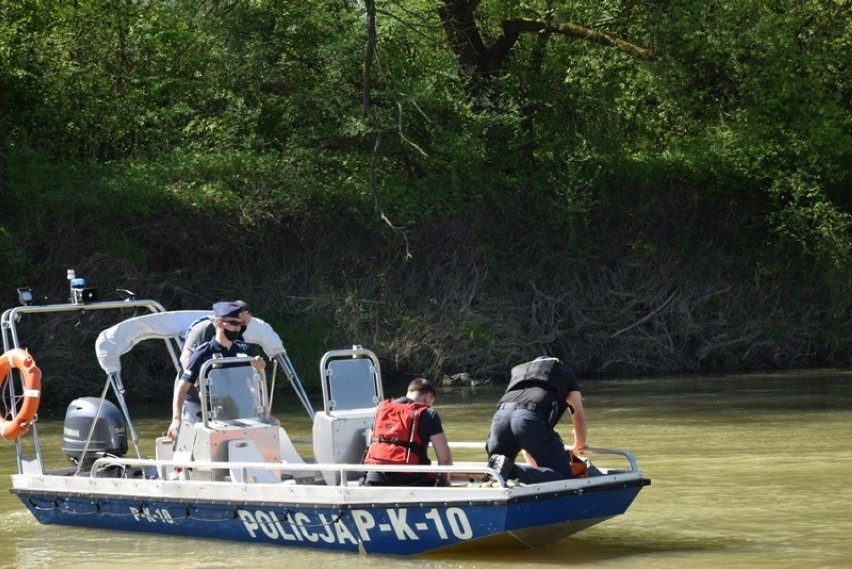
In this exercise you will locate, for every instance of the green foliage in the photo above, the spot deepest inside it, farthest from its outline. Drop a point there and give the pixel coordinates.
(806, 221)
(478, 334)
(131, 128)
(305, 337)
(80, 194)
(126, 247)
(13, 257)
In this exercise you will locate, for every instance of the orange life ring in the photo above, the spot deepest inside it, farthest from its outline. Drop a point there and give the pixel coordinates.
(31, 378)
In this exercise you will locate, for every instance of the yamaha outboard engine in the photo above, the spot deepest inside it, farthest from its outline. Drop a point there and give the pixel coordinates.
(109, 436)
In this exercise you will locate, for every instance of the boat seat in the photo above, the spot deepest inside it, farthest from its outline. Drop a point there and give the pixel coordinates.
(341, 438)
(246, 450)
(352, 387)
(288, 453)
(180, 473)
(287, 449)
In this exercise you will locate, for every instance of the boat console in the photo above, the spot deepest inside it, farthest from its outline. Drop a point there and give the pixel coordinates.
(235, 425)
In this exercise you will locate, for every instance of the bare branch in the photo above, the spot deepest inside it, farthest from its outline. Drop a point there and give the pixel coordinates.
(647, 316)
(513, 28)
(402, 133)
(367, 102)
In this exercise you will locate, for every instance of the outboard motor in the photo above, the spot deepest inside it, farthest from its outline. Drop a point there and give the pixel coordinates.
(109, 436)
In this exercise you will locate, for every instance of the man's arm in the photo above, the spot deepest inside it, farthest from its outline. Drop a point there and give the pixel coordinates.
(193, 340)
(442, 453)
(578, 419)
(177, 407)
(185, 355)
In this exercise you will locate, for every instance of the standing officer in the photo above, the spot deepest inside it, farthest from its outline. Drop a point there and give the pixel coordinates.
(186, 402)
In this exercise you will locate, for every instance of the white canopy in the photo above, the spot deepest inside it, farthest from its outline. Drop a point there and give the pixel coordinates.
(117, 340)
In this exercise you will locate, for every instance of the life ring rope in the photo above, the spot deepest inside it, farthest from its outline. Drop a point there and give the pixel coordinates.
(21, 360)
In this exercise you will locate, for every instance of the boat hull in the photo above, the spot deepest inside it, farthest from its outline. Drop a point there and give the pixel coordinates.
(393, 526)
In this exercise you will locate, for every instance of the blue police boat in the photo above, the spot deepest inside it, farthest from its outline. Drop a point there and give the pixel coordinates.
(236, 475)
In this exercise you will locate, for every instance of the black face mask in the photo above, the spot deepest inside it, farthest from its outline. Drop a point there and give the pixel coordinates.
(231, 335)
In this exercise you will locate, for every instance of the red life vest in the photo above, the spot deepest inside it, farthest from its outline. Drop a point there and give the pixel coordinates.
(395, 434)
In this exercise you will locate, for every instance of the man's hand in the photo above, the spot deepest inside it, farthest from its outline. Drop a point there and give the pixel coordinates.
(174, 427)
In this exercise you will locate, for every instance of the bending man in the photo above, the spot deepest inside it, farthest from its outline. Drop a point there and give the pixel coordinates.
(538, 395)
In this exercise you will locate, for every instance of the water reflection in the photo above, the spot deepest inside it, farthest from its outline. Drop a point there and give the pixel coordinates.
(748, 471)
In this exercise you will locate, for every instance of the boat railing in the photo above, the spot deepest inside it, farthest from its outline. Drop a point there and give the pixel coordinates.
(28, 448)
(627, 455)
(102, 465)
(634, 466)
(472, 471)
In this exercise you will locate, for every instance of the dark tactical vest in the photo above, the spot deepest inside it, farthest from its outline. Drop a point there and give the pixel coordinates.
(550, 374)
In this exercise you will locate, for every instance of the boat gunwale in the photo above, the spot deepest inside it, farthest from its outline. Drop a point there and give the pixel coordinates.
(365, 496)
(341, 506)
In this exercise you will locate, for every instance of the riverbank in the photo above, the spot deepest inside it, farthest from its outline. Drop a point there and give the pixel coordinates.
(445, 313)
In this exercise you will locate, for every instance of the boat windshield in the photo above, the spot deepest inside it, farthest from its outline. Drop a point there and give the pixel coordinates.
(351, 384)
(235, 393)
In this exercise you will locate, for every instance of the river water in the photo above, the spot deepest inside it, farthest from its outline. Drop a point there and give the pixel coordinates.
(747, 471)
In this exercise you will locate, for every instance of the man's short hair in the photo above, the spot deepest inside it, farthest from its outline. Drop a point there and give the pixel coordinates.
(421, 385)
